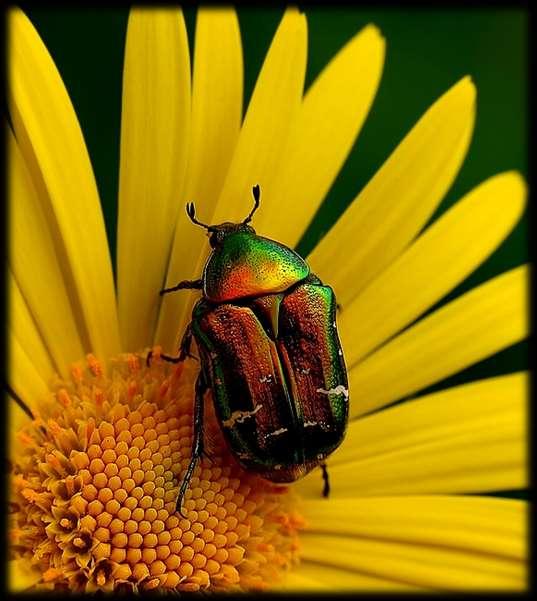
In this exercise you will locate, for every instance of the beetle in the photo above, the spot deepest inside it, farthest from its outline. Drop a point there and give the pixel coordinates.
(265, 328)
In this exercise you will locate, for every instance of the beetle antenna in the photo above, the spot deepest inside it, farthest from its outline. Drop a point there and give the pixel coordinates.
(257, 193)
(191, 212)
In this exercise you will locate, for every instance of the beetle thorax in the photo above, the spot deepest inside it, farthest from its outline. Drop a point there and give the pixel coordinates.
(245, 265)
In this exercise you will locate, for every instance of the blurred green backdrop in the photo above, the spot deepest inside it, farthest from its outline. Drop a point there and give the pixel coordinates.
(427, 52)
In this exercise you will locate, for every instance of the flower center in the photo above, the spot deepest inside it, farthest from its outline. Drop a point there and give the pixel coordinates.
(95, 483)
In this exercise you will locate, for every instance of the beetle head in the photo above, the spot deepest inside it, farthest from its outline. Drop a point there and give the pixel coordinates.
(218, 233)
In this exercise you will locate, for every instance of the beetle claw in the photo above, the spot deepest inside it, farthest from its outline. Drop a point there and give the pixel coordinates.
(148, 359)
(172, 359)
(326, 480)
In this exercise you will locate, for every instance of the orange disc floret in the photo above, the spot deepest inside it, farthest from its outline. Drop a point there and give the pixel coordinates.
(102, 468)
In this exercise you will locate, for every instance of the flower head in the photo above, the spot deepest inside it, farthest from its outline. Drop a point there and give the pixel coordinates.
(94, 491)
(96, 468)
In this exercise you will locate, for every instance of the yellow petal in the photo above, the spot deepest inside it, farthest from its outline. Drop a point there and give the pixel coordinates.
(273, 107)
(216, 119)
(400, 198)
(40, 293)
(155, 124)
(51, 142)
(474, 326)
(330, 118)
(21, 575)
(476, 524)
(23, 377)
(412, 543)
(312, 576)
(434, 264)
(23, 327)
(17, 418)
(17, 415)
(470, 438)
(299, 580)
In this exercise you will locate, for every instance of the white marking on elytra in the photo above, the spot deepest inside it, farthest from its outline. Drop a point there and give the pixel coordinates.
(340, 353)
(267, 378)
(305, 371)
(278, 466)
(240, 416)
(277, 432)
(309, 424)
(340, 389)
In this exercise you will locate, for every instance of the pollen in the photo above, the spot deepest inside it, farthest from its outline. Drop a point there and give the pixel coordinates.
(94, 488)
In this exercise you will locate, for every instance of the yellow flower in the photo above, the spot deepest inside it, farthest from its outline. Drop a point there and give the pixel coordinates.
(94, 474)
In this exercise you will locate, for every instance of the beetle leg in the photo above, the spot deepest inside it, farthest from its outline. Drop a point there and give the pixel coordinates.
(197, 441)
(184, 285)
(186, 343)
(167, 358)
(184, 349)
(326, 487)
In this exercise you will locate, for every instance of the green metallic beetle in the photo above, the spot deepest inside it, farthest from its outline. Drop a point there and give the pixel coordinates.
(266, 333)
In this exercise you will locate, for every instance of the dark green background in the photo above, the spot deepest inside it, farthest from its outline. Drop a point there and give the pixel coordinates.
(427, 52)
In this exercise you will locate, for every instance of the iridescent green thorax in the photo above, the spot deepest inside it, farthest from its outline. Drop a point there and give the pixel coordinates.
(247, 265)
